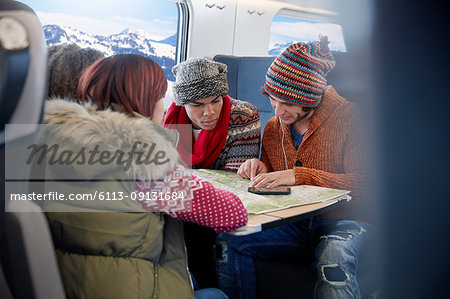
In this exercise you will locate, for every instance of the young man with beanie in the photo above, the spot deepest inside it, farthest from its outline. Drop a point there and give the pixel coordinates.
(311, 140)
(225, 133)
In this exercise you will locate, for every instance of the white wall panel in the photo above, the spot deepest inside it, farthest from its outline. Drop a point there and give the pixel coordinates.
(211, 29)
(238, 27)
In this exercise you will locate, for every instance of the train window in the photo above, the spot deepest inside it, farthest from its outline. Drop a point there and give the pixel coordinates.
(148, 28)
(288, 30)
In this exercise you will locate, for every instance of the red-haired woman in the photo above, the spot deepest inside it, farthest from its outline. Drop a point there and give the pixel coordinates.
(130, 253)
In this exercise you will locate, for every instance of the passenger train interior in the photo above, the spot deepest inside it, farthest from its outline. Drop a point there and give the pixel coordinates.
(391, 61)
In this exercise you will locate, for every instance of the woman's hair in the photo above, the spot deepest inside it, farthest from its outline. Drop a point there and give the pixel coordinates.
(135, 83)
(66, 63)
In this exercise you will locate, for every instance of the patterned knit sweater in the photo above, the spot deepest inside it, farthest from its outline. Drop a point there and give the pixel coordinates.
(243, 139)
(329, 155)
(202, 203)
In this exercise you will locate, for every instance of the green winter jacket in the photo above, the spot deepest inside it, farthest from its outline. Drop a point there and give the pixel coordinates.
(126, 253)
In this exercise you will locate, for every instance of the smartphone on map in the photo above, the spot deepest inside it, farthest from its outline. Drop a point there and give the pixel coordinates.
(270, 191)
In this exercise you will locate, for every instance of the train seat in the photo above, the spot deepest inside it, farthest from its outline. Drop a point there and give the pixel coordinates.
(246, 76)
(28, 267)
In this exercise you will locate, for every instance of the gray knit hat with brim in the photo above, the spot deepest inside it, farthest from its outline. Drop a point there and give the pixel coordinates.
(198, 78)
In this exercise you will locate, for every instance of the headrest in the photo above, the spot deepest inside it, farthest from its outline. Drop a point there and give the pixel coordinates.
(23, 70)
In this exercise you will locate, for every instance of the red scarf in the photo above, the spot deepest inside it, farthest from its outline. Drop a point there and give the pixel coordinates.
(209, 144)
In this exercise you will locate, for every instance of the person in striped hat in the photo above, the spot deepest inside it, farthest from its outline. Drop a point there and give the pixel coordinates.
(312, 140)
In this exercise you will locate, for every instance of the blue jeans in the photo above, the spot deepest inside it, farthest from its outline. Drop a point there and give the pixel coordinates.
(333, 243)
(209, 293)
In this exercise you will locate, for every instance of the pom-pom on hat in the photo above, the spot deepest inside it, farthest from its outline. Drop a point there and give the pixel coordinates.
(198, 78)
(298, 74)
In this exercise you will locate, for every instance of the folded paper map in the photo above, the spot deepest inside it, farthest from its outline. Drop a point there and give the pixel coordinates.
(257, 204)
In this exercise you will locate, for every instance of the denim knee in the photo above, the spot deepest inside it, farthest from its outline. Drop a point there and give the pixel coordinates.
(210, 293)
(336, 260)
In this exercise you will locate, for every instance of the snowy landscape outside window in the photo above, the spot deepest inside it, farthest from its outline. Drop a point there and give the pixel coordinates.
(147, 28)
(286, 30)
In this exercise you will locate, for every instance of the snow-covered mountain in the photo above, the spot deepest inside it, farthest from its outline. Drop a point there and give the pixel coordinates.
(280, 47)
(126, 42)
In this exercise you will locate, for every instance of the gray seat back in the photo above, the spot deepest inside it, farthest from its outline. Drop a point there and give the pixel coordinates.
(28, 266)
(246, 76)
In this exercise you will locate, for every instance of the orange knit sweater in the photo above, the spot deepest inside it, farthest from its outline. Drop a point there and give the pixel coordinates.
(329, 155)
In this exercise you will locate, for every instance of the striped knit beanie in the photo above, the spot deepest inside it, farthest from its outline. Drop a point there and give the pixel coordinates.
(198, 78)
(298, 74)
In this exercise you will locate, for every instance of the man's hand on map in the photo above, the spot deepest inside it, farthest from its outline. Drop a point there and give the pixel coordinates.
(273, 179)
(250, 168)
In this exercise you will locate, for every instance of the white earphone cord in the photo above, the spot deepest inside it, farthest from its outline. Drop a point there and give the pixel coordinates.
(282, 144)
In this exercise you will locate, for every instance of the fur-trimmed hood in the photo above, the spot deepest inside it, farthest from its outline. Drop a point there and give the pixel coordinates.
(79, 126)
